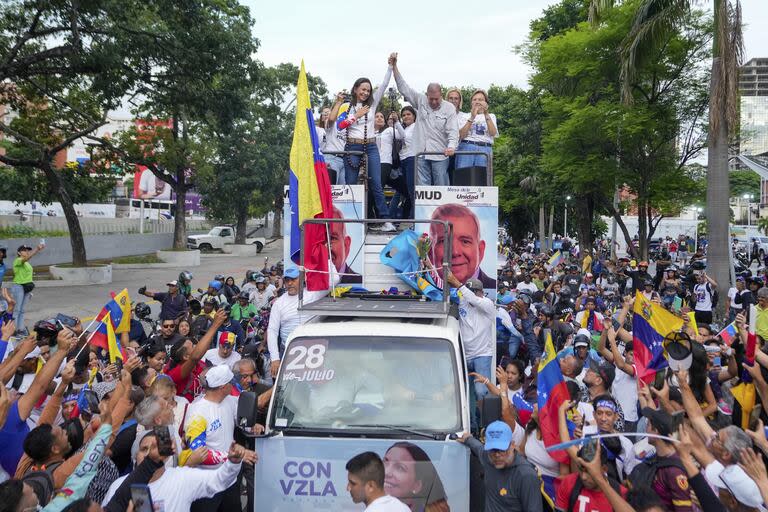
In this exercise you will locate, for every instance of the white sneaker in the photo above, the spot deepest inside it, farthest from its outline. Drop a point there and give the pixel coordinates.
(388, 227)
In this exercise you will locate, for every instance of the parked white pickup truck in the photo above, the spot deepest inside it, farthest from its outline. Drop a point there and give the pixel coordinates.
(220, 235)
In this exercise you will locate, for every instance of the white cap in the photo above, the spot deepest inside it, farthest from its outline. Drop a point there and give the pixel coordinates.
(218, 376)
(585, 332)
(34, 354)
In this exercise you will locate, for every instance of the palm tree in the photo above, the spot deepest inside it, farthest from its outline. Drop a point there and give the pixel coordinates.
(654, 21)
(531, 184)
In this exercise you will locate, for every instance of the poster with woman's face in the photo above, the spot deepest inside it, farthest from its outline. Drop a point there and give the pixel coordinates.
(308, 474)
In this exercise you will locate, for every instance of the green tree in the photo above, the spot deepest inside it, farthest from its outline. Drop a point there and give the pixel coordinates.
(653, 22)
(744, 182)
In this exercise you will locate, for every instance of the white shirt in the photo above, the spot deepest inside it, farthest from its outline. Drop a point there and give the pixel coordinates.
(334, 139)
(387, 504)
(385, 141)
(213, 356)
(157, 189)
(177, 488)
(477, 323)
(703, 294)
(406, 133)
(478, 132)
(624, 390)
(531, 287)
(732, 294)
(321, 137)
(537, 454)
(357, 130)
(435, 129)
(261, 299)
(220, 420)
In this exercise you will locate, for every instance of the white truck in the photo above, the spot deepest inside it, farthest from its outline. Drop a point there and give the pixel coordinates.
(368, 372)
(220, 235)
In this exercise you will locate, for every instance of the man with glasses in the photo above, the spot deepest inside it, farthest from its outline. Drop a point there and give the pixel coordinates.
(172, 304)
(167, 336)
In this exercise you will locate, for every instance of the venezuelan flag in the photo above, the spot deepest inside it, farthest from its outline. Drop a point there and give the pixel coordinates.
(309, 191)
(552, 392)
(729, 333)
(651, 323)
(119, 309)
(555, 260)
(104, 337)
(744, 393)
(524, 409)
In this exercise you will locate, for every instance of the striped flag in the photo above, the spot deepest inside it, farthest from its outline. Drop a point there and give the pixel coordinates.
(729, 333)
(555, 260)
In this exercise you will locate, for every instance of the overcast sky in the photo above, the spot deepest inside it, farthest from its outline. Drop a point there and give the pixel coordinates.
(451, 42)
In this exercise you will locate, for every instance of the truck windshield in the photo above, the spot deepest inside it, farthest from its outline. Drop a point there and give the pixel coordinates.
(347, 382)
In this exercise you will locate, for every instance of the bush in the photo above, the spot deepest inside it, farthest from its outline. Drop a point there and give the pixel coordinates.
(27, 232)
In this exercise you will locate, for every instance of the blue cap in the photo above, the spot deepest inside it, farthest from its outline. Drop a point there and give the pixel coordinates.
(506, 299)
(567, 351)
(291, 273)
(216, 285)
(498, 436)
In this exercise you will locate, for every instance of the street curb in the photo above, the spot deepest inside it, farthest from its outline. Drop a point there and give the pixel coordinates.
(130, 266)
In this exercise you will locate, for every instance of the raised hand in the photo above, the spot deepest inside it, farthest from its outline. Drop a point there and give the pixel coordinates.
(8, 328)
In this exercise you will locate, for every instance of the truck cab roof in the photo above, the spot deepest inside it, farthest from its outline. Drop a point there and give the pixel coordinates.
(446, 327)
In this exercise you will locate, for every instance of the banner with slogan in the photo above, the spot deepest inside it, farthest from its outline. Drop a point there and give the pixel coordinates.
(309, 475)
(474, 213)
(346, 239)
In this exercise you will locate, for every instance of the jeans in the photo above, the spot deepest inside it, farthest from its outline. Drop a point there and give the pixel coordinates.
(477, 390)
(433, 172)
(465, 161)
(337, 164)
(407, 166)
(374, 174)
(21, 299)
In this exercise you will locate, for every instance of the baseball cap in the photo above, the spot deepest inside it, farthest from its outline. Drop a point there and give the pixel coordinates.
(737, 482)
(104, 388)
(34, 354)
(227, 338)
(218, 376)
(23, 247)
(474, 285)
(580, 341)
(172, 283)
(606, 371)
(679, 350)
(632, 263)
(291, 273)
(506, 299)
(498, 436)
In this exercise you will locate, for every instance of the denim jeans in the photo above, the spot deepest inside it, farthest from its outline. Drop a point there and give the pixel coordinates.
(337, 164)
(374, 174)
(464, 161)
(21, 298)
(433, 172)
(477, 390)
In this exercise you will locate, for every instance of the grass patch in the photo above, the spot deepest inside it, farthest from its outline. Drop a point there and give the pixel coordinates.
(90, 264)
(145, 258)
(27, 232)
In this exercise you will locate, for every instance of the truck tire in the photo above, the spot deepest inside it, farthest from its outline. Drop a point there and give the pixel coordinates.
(205, 248)
(259, 246)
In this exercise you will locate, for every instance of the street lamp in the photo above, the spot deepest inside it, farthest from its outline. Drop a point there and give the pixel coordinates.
(748, 197)
(565, 219)
(699, 209)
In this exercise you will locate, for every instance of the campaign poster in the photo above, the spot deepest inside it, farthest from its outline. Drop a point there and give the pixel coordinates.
(474, 214)
(309, 475)
(347, 239)
(148, 186)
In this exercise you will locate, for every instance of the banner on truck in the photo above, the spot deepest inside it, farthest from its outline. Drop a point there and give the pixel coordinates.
(474, 213)
(346, 239)
(309, 475)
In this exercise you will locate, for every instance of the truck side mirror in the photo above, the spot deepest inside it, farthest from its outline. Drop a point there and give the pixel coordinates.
(246, 409)
(489, 412)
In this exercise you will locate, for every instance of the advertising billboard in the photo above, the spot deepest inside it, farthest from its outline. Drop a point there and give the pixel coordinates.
(474, 214)
(346, 239)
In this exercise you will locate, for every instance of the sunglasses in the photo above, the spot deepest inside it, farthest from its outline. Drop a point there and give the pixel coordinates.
(168, 326)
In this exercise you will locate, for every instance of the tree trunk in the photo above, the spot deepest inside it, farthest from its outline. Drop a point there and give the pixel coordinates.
(718, 192)
(627, 237)
(551, 226)
(277, 226)
(642, 228)
(542, 227)
(180, 219)
(584, 211)
(241, 226)
(76, 239)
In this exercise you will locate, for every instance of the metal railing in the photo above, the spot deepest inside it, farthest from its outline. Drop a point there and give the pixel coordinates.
(488, 159)
(362, 176)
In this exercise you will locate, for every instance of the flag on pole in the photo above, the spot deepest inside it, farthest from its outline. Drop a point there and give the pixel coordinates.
(309, 191)
(555, 260)
(113, 344)
(524, 409)
(119, 309)
(651, 323)
(551, 393)
(729, 333)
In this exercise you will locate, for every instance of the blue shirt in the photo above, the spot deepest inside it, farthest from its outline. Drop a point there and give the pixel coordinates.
(12, 439)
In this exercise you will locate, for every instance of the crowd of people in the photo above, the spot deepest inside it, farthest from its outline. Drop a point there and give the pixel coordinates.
(356, 137)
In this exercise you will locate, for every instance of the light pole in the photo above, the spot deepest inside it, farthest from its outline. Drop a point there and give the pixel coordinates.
(699, 209)
(748, 197)
(565, 217)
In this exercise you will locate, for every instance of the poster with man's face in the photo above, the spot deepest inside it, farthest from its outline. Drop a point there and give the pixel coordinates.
(346, 239)
(474, 214)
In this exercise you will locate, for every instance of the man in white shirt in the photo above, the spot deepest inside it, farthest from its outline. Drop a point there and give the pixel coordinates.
(365, 483)
(527, 284)
(223, 353)
(262, 294)
(477, 322)
(285, 316)
(436, 129)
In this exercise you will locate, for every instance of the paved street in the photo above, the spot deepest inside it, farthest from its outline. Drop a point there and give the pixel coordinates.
(85, 301)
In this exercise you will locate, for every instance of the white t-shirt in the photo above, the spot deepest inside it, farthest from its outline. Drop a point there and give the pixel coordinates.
(261, 299)
(537, 454)
(213, 356)
(220, 420)
(177, 488)
(385, 141)
(157, 189)
(531, 287)
(624, 390)
(732, 294)
(703, 294)
(321, 137)
(406, 133)
(478, 132)
(334, 139)
(387, 504)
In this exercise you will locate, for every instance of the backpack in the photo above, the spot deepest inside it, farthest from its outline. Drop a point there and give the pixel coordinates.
(579, 485)
(645, 472)
(40, 479)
